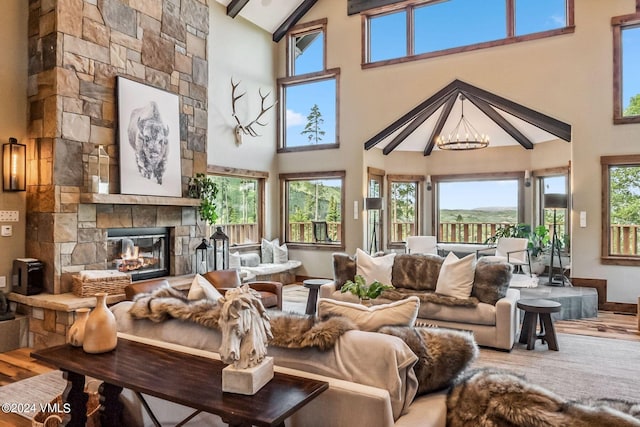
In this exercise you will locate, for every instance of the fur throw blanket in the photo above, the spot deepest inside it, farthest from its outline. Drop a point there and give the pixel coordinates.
(498, 398)
(442, 354)
(397, 294)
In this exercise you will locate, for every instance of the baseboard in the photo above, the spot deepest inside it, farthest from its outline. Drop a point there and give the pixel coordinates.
(601, 287)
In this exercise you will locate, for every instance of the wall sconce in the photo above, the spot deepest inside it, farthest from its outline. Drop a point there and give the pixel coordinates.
(14, 166)
(527, 178)
(429, 185)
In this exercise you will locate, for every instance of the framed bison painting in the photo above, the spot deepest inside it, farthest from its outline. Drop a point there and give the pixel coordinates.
(149, 137)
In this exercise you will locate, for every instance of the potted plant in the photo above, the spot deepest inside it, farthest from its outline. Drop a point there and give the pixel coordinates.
(365, 292)
(539, 243)
(202, 187)
(509, 230)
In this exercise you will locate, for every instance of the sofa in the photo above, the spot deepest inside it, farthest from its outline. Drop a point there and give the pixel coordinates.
(380, 382)
(490, 312)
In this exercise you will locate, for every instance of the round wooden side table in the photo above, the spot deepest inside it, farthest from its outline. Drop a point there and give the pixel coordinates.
(534, 309)
(312, 299)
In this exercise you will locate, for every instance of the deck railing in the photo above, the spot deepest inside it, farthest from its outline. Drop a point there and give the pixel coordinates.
(624, 239)
(302, 232)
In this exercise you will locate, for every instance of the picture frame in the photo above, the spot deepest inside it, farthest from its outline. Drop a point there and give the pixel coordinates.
(149, 140)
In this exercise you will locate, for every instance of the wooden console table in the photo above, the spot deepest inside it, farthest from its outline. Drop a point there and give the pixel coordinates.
(187, 379)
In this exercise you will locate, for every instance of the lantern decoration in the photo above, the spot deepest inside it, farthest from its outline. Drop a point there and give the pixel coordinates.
(98, 171)
(14, 166)
(220, 244)
(202, 257)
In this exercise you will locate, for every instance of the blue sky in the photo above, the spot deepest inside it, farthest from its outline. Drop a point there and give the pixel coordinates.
(630, 64)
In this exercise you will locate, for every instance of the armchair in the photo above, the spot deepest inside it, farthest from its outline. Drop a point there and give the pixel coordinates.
(513, 250)
(271, 292)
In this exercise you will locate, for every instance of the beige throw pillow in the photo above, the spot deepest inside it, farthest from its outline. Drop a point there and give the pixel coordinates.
(202, 288)
(374, 268)
(456, 276)
(397, 313)
(280, 254)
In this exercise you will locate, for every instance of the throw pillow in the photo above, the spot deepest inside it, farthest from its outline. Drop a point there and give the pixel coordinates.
(249, 260)
(491, 280)
(234, 260)
(344, 268)
(202, 288)
(280, 254)
(398, 313)
(374, 268)
(456, 276)
(266, 249)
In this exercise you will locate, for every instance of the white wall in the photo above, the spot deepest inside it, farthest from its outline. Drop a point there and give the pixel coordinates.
(13, 119)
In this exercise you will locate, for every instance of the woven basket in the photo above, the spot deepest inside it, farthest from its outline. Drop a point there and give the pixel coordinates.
(111, 282)
(54, 419)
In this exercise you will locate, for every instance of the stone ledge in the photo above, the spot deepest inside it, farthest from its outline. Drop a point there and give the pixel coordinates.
(130, 199)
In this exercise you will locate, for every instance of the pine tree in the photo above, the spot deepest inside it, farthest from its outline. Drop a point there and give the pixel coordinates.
(312, 128)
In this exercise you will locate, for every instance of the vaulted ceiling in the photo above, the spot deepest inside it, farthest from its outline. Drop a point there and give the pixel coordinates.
(506, 122)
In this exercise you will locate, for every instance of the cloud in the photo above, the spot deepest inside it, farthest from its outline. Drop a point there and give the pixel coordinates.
(559, 20)
(294, 119)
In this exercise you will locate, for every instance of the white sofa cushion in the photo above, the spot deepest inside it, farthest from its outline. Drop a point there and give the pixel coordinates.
(374, 268)
(202, 288)
(397, 313)
(456, 276)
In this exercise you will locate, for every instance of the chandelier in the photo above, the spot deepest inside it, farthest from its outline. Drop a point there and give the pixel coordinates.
(464, 136)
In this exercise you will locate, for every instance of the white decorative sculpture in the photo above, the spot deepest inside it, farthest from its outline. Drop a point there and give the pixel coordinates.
(245, 333)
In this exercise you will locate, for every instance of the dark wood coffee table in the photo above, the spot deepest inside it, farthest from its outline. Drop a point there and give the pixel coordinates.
(190, 380)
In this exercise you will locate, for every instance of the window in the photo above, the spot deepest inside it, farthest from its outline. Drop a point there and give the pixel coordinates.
(375, 178)
(405, 194)
(621, 209)
(239, 204)
(313, 205)
(308, 107)
(415, 30)
(626, 57)
(471, 209)
(552, 183)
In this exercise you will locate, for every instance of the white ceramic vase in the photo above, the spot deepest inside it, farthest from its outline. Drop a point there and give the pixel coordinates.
(75, 335)
(100, 334)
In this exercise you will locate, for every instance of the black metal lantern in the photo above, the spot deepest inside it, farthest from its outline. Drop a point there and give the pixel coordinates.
(202, 257)
(14, 168)
(220, 243)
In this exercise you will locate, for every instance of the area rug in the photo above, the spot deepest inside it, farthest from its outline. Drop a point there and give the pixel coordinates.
(294, 298)
(585, 367)
(34, 391)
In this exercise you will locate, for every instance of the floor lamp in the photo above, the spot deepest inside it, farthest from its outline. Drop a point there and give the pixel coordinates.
(373, 204)
(555, 201)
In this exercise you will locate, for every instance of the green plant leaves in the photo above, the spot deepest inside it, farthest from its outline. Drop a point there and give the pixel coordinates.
(360, 289)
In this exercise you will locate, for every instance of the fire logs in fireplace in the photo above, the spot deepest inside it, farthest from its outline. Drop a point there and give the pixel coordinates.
(142, 252)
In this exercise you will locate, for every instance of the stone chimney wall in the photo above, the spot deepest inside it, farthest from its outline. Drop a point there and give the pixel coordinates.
(76, 50)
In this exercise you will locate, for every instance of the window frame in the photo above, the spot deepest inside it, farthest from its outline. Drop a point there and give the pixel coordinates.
(375, 175)
(619, 23)
(418, 180)
(261, 178)
(410, 5)
(538, 176)
(436, 180)
(285, 178)
(605, 256)
(301, 79)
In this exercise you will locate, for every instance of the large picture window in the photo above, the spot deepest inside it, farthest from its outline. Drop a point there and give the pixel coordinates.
(470, 209)
(415, 30)
(239, 202)
(313, 206)
(626, 57)
(554, 182)
(404, 207)
(621, 209)
(308, 108)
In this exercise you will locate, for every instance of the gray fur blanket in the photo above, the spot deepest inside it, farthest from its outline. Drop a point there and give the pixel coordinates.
(498, 398)
(442, 354)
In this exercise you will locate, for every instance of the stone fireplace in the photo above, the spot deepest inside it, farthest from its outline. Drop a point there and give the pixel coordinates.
(76, 50)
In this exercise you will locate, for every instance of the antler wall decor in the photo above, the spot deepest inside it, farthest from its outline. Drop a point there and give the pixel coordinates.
(240, 130)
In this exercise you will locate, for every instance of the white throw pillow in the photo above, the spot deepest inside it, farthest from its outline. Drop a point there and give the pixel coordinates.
(266, 250)
(234, 260)
(397, 313)
(280, 254)
(374, 268)
(202, 288)
(456, 276)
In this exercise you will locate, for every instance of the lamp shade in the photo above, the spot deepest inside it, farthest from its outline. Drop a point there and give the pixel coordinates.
(14, 165)
(555, 201)
(373, 203)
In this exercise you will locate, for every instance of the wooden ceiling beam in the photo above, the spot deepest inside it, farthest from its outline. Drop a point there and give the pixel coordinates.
(439, 96)
(549, 124)
(440, 124)
(357, 6)
(297, 14)
(500, 120)
(234, 8)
